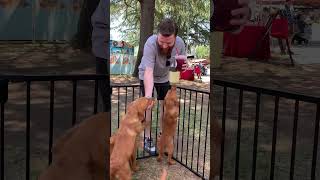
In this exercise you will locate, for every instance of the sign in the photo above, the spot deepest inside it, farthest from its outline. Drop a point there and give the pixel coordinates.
(121, 57)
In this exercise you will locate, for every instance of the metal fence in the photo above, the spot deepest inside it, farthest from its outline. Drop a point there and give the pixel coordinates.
(24, 85)
(192, 148)
(248, 115)
(256, 104)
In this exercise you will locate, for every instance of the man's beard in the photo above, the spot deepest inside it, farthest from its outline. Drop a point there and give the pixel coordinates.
(165, 52)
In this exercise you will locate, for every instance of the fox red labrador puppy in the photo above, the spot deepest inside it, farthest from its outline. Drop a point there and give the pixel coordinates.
(169, 124)
(81, 152)
(132, 159)
(131, 125)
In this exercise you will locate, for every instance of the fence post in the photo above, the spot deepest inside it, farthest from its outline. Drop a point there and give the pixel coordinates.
(3, 90)
(3, 100)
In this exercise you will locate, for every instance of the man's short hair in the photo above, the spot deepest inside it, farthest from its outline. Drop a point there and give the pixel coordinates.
(167, 27)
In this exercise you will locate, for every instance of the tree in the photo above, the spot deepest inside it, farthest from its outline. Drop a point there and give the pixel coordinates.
(82, 38)
(202, 51)
(192, 16)
(147, 21)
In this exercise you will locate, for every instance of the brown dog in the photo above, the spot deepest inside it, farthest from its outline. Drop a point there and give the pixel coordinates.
(169, 124)
(81, 152)
(132, 124)
(132, 160)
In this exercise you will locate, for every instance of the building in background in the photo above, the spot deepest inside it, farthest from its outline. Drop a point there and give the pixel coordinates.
(122, 58)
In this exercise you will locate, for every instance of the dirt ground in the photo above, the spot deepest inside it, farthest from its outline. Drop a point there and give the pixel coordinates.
(52, 59)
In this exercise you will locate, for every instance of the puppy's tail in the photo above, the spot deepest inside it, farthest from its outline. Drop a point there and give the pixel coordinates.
(164, 174)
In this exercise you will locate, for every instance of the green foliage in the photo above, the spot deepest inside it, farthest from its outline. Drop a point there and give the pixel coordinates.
(202, 51)
(192, 17)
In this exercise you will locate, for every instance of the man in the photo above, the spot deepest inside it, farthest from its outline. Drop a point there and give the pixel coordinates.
(100, 39)
(159, 55)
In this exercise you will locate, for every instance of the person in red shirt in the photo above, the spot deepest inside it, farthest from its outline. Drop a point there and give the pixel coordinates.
(197, 70)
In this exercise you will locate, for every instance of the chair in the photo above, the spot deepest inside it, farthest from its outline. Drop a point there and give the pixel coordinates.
(280, 30)
(277, 28)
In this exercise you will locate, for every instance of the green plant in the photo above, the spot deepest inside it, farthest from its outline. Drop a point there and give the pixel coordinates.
(202, 51)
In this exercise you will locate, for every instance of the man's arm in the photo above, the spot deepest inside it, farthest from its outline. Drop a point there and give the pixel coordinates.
(148, 60)
(148, 82)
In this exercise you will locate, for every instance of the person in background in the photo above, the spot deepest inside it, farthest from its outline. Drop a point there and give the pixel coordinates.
(300, 34)
(100, 40)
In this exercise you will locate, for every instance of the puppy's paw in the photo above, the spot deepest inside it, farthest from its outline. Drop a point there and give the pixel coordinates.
(159, 159)
(135, 168)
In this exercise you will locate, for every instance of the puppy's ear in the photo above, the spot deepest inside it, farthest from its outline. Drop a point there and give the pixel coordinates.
(141, 114)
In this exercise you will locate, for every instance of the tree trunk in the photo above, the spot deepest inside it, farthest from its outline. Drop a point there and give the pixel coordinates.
(82, 38)
(146, 28)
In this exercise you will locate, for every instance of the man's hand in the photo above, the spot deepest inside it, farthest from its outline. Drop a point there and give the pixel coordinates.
(241, 15)
(151, 103)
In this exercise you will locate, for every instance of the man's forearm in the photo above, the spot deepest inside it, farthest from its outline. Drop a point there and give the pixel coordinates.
(148, 82)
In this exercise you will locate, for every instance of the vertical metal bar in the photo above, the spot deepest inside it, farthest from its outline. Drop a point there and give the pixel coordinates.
(188, 128)
(118, 107)
(200, 133)
(2, 142)
(151, 112)
(205, 141)
(157, 120)
(224, 110)
(74, 102)
(315, 144)
(274, 137)
(126, 99)
(28, 132)
(255, 140)
(238, 134)
(194, 126)
(184, 108)
(178, 123)
(95, 105)
(132, 93)
(51, 120)
(294, 139)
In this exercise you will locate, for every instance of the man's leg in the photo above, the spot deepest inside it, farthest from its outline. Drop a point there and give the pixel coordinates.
(147, 132)
(162, 89)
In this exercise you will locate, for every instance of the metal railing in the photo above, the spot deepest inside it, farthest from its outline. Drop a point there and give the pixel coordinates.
(193, 132)
(192, 137)
(28, 81)
(275, 97)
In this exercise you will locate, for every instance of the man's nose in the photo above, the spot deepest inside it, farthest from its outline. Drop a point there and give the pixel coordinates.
(165, 46)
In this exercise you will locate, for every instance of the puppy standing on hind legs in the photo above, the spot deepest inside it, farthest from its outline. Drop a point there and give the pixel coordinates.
(124, 141)
(170, 115)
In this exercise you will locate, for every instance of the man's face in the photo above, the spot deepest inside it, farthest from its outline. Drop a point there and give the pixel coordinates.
(166, 43)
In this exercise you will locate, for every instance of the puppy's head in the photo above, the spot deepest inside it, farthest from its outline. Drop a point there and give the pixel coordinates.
(138, 107)
(171, 98)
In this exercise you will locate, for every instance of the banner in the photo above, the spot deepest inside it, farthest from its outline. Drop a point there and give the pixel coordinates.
(121, 58)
